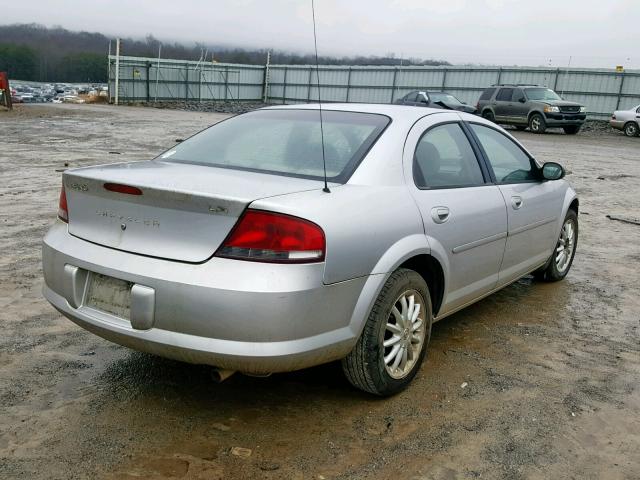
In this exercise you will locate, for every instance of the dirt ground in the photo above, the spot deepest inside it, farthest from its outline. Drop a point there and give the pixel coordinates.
(551, 372)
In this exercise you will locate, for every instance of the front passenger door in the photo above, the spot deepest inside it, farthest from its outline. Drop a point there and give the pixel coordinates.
(533, 205)
(463, 214)
(519, 108)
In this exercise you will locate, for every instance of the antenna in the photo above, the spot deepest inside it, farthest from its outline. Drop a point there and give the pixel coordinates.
(315, 42)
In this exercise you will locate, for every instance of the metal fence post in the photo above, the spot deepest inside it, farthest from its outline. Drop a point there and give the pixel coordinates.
(117, 70)
(348, 84)
(147, 80)
(226, 81)
(499, 76)
(444, 78)
(284, 86)
(555, 83)
(309, 89)
(622, 77)
(393, 88)
(186, 82)
(265, 82)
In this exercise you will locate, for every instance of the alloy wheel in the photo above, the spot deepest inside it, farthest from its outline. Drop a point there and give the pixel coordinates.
(565, 246)
(404, 334)
(535, 124)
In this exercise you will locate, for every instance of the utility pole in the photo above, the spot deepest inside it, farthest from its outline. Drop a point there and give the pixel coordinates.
(117, 70)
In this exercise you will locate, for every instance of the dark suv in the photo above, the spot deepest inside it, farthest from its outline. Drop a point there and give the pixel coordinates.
(531, 106)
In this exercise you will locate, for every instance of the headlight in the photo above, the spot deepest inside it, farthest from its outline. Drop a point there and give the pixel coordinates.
(551, 109)
(583, 109)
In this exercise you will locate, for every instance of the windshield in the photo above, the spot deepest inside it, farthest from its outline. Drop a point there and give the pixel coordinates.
(444, 98)
(542, 94)
(285, 142)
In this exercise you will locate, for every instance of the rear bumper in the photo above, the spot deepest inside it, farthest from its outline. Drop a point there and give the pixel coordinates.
(245, 316)
(617, 124)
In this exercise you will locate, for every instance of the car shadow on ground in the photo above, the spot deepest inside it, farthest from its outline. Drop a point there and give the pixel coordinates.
(139, 374)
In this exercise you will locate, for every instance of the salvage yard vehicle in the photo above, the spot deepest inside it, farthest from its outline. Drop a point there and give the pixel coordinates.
(627, 120)
(443, 100)
(531, 106)
(235, 249)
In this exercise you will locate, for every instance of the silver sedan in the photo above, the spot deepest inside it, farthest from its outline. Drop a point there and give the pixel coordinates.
(627, 120)
(229, 250)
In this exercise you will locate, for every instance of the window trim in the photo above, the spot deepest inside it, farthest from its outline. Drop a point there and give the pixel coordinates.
(476, 152)
(537, 171)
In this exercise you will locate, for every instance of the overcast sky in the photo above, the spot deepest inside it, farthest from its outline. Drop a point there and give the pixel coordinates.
(602, 33)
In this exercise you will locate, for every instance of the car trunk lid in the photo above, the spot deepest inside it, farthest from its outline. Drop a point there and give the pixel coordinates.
(182, 212)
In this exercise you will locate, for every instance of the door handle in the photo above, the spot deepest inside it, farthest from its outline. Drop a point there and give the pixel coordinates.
(516, 202)
(440, 214)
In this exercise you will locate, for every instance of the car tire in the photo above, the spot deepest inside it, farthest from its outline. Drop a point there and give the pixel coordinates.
(488, 115)
(537, 123)
(555, 270)
(372, 365)
(631, 129)
(571, 129)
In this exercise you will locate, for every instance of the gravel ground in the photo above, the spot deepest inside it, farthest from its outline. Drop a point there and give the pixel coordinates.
(550, 371)
(209, 107)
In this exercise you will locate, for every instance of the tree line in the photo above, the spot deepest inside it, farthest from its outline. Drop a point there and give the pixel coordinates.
(38, 53)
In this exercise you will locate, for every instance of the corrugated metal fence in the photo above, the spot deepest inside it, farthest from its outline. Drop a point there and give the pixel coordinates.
(148, 80)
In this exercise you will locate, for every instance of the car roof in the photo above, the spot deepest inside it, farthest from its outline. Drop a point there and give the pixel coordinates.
(394, 111)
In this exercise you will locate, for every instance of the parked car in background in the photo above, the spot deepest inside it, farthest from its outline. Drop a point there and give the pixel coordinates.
(226, 249)
(531, 106)
(15, 96)
(627, 120)
(444, 100)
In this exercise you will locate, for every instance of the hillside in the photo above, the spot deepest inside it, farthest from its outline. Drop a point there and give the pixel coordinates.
(36, 52)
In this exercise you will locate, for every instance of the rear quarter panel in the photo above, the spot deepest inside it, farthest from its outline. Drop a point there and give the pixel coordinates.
(368, 228)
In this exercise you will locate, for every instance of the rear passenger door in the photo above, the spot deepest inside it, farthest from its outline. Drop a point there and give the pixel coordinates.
(533, 205)
(464, 215)
(503, 104)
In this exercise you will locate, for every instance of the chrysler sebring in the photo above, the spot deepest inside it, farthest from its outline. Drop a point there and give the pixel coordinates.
(228, 249)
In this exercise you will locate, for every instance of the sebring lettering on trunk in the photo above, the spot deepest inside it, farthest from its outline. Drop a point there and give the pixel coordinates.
(147, 222)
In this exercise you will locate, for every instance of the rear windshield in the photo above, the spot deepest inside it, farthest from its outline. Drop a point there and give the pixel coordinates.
(285, 142)
(445, 98)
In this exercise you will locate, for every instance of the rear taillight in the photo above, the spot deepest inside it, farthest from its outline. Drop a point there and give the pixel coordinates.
(63, 210)
(273, 237)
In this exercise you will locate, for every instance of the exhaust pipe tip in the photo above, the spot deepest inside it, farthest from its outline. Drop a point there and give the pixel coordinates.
(219, 375)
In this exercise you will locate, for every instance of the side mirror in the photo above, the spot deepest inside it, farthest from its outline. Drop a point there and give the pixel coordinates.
(552, 171)
(522, 100)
